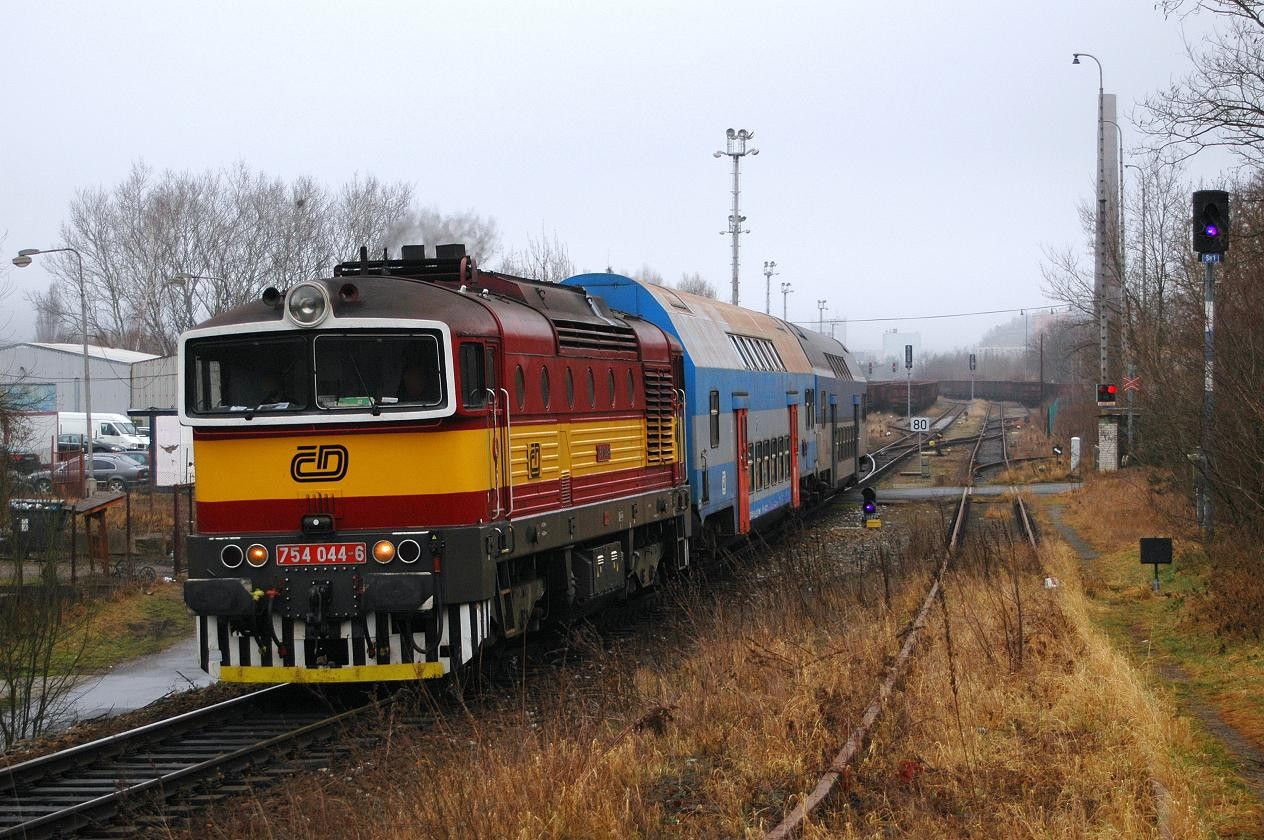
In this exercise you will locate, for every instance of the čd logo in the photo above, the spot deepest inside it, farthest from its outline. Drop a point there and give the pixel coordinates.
(327, 462)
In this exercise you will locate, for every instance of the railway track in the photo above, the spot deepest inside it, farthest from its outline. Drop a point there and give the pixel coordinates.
(857, 738)
(885, 458)
(115, 786)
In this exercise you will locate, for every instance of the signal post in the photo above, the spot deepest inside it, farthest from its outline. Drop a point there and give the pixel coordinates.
(1211, 229)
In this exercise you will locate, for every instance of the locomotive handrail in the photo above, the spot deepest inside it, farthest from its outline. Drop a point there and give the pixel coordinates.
(508, 453)
(493, 470)
(683, 415)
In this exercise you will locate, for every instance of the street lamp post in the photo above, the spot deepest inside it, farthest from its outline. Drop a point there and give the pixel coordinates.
(820, 308)
(736, 149)
(770, 268)
(22, 260)
(785, 292)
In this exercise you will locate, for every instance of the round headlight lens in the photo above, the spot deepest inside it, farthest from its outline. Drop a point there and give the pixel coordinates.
(409, 551)
(384, 551)
(231, 556)
(256, 555)
(307, 305)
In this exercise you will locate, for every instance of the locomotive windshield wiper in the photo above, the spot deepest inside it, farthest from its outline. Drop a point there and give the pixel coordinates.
(374, 405)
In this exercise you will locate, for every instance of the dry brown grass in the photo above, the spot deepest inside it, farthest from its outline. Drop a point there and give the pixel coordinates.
(1066, 744)
(715, 723)
(1116, 509)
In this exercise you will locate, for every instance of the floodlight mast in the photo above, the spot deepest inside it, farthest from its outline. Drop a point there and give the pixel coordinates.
(736, 149)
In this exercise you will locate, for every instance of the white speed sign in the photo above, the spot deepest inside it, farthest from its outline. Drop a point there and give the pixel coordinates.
(920, 424)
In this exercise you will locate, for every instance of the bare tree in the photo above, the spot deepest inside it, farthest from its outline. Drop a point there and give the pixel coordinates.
(648, 274)
(163, 251)
(694, 283)
(544, 259)
(51, 317)
(1220, 102)
(45, 636)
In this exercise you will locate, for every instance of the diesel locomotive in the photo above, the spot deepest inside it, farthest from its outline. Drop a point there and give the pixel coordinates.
(402, 463)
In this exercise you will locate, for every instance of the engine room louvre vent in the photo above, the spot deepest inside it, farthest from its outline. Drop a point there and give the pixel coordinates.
(586, 337)
(660, 436)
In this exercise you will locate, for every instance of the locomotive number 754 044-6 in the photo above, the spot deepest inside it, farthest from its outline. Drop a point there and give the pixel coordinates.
(320, 554)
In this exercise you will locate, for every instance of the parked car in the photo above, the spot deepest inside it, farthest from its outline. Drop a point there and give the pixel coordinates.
(72, 444)
(140, 456)
(24, 463)
(111, 469)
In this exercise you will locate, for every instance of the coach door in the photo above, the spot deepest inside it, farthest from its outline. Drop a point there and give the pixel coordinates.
(794, 454)
(833, 433)
(743, 462)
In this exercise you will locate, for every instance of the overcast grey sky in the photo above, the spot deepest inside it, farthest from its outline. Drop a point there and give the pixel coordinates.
(914, 158)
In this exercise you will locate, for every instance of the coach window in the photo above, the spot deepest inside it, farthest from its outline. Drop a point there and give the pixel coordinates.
(750, 464)
(809, 405)
(473, 376)
(544, 385)
(592, 389)
(715, 419)
(520, 387)
(610, 385)
(570, 387)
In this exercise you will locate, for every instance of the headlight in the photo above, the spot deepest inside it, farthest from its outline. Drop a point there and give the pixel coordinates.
(307, 304)
(256, 555)
(384, 551)
(231, 556)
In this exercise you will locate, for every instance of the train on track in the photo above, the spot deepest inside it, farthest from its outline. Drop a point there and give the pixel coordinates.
(415, 458)
(894, 395)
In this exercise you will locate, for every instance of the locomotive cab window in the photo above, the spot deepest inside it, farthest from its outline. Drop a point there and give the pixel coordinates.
(474, 382)
(379, 370)
(245, 374)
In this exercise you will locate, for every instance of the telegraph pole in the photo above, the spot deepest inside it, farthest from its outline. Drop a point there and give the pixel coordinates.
(785, 292)
(770, 268)
(736, 149)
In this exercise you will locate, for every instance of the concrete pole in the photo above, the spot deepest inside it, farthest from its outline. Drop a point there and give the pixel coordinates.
(1209, 397)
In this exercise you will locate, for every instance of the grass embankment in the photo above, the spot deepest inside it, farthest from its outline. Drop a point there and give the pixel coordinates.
(133, 622)
(1188, 638)
(717, 721)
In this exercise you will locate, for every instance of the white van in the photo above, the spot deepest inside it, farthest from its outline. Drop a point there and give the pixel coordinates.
(107, 428)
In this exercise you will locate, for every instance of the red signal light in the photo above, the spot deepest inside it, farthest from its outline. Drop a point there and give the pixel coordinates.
(1106, 394)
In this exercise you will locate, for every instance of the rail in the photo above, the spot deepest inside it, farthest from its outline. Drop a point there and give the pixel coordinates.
(900, 448)
(89, 784)
(793, 821)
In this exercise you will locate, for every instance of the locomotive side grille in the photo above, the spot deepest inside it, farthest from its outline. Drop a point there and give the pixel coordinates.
(579, 335)
(660, 442)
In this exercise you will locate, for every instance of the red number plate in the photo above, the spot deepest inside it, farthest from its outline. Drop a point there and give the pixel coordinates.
(320, 554)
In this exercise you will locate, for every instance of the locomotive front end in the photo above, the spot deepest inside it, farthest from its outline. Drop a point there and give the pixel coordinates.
(335, 479)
